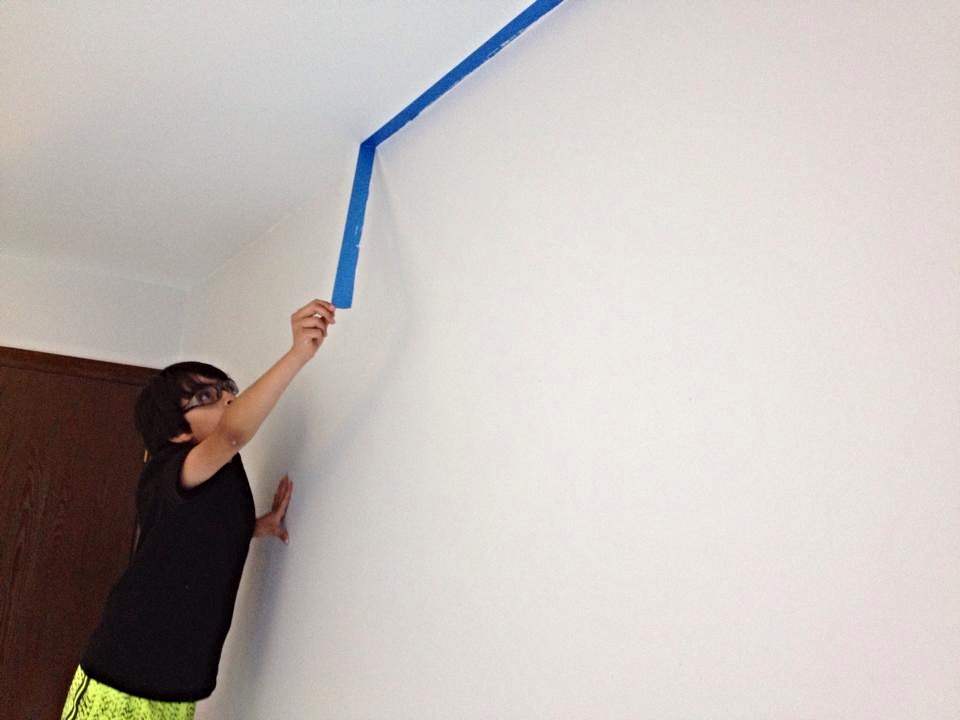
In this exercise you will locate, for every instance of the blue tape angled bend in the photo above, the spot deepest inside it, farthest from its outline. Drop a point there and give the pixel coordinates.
(350, 249)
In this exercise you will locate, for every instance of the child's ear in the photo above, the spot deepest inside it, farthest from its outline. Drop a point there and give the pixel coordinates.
(182, 438)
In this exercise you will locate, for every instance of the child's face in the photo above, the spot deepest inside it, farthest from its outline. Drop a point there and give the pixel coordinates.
(204, 418)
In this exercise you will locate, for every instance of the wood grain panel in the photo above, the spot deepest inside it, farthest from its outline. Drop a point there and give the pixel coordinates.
(69, 461)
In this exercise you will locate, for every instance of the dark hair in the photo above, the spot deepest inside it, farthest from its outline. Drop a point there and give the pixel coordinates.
(158, 415)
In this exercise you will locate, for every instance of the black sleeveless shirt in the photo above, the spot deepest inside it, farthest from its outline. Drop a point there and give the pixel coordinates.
(167, 617)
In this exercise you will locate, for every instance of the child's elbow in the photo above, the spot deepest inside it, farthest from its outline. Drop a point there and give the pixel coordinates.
(231, 438)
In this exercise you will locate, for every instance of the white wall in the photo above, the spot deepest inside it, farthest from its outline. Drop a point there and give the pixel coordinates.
(48, 307)
(648, 405)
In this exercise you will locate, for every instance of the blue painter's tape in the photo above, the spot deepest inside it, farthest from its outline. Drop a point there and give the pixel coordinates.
(350, 249)
(479, 56)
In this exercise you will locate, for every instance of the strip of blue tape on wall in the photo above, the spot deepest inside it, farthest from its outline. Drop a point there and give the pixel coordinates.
(353, 230)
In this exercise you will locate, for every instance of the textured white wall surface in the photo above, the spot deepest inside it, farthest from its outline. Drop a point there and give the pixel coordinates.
(53, 308)
(648, 405)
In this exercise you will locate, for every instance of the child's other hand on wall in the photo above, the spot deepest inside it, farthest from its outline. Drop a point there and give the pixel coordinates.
(271, 524)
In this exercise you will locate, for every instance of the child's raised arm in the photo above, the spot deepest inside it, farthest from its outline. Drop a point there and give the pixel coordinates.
(243, 416)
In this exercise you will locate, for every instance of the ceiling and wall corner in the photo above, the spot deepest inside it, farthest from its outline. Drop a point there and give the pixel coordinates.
(151, 141)
(144, 144)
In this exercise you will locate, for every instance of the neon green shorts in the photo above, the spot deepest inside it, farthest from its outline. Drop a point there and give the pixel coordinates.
(91, 700)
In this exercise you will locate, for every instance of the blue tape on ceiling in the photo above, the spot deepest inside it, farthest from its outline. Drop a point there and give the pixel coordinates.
(350, 249)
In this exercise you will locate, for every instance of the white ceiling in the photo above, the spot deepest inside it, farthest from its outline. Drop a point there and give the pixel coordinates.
(151, 140)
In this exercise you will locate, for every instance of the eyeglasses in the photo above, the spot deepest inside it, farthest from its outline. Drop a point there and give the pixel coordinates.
(209, 394)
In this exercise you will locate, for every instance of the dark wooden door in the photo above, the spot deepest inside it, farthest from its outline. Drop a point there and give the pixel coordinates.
(69, 462)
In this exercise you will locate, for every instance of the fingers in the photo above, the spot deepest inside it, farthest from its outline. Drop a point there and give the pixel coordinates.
(316, 308)
(281, 498)
(310, 324)
(272, 522)
(314, 322)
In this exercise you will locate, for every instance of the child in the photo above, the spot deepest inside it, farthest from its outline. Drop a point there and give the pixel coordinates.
(157, 649)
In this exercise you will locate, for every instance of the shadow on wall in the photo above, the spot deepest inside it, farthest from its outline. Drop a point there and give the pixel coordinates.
(369, 357)
(382, 329)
